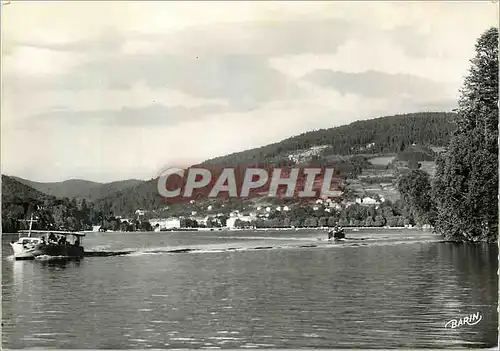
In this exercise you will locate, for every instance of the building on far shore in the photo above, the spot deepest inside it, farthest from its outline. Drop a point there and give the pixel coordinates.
(367, 201)
(140, 212)
(166, 223)
(202, 221)
(230, 223)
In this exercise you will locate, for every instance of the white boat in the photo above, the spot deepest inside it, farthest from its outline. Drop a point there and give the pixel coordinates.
(48, 242)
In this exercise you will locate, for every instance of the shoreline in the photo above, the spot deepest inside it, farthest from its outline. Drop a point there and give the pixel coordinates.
(225, 229)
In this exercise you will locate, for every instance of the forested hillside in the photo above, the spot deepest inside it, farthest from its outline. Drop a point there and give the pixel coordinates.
(346, 147)
(79, 188)
(376, 136)
(125, 202)
(19, 201)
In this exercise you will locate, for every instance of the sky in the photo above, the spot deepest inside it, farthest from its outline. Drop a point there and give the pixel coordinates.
(107, 91)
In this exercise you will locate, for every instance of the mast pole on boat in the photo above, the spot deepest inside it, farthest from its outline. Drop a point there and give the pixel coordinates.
(31, 224)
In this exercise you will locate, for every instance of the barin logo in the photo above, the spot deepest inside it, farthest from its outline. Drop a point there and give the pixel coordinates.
(472, 319)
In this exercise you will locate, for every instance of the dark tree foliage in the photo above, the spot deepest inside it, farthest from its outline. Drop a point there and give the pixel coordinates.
(416, 153)
(466, 183)
(388, 135)
(79, 189)
(19, 201)
(415, 189)
(387, 214)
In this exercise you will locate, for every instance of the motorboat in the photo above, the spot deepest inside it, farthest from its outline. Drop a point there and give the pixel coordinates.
(49, 243)
(33, 243)
(336, 233)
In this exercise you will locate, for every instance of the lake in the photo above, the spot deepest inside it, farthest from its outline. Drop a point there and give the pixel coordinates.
(254, 289)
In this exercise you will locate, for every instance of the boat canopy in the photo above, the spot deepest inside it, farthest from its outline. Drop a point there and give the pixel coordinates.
(59, 232)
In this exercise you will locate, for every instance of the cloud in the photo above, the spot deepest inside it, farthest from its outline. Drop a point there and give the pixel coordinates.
(21, 65)
(153, 115)
(109, 40)
(114, 89)
(241, 80)
(375, 84)
(256, 38)
(266, 37)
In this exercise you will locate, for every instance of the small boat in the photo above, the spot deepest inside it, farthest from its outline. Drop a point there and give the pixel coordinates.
(336, 233)
(62, 244)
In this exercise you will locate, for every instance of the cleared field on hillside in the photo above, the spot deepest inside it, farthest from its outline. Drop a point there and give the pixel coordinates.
(429, 167)
(387, 190)
(381, 161)
(438, 149)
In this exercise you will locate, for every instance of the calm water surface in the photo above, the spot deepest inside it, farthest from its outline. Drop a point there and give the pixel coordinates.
(249, 289)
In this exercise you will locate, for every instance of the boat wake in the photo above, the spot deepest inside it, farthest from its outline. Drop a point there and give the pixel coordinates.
(319, 243)
(107, 253)
(280, 238)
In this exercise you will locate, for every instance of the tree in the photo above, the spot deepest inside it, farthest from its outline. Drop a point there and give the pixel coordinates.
(401, 221)
(146, 226)
(223, 220)
(323, 221)
(343, 222)
(238, 223)
(392, 221)
(466, 184)
(124, 227)
(369, 222)
(286, 222)
(379, 221)
(332, 221)
(415, 190)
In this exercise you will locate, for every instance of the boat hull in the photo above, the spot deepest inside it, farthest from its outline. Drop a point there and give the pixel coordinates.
(338, 234)
(30, 253)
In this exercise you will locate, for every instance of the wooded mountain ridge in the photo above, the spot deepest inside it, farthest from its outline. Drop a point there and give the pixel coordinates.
(384, 135)
(79, 188)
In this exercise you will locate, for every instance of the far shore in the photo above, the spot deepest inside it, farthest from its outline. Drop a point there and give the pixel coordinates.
(268, 229)
(350, 229)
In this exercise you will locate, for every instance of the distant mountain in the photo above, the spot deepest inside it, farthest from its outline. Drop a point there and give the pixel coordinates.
(78, 188)
(375, 136)
(385, 135)
(18, 201)
(13, 190)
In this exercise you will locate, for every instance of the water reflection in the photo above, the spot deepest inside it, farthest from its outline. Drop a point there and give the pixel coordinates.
(22, 273)
(386, 296)
(58, 264)
(476, 288)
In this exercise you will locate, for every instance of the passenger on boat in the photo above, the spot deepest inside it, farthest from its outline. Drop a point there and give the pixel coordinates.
(77, 242)
(62, 240)
(52, 238)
